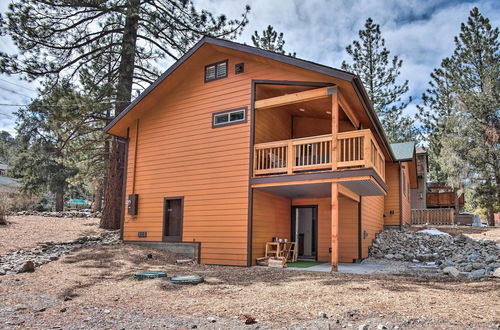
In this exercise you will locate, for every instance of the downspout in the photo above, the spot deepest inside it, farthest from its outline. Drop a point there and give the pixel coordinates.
(400, 197)
(360, 229)
(124, 182)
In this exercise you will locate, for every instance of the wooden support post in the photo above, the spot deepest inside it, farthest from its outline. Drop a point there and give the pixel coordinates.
(335, 226)
(290, 161)
(335, 127)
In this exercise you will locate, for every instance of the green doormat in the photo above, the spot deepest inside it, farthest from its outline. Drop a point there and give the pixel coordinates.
(304, 264)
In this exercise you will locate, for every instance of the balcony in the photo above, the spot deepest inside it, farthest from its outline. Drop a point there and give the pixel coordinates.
(355, 149)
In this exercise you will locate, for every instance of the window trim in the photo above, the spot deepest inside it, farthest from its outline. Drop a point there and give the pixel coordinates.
(229, 123)
(215, 64)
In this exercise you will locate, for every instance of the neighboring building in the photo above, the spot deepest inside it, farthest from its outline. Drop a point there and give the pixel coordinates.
(235, 145)
(441, 195)
(419, 194)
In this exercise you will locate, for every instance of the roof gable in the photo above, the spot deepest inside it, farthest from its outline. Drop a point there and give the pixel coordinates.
(403, 151)
(304, 64)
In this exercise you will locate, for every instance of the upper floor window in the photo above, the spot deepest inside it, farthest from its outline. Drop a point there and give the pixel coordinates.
(216, 71)
(229, 117)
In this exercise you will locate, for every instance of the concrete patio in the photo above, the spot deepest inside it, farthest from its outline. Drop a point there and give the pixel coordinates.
(349, 268)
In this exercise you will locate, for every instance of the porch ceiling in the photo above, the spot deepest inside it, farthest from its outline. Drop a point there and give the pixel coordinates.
(364, 187)
(312, 190)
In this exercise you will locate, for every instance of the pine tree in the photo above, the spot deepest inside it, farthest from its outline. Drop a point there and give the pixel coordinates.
(270, 40)
(371, 62)
(48, 130)
(60, 37)
(462, 112)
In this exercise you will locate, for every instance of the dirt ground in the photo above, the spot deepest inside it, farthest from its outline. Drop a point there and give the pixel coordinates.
(27, 231)
(490, 233)
(93, 288)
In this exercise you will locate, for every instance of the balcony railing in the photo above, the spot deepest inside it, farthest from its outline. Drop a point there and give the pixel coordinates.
(355, 149)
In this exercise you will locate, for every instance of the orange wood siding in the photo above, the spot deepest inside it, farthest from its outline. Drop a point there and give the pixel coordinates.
(270, 218)
(348, 227)
(308, 126)
(272, 126)
(372, 214)
(180, 154)
(405, 201)
(392, 197)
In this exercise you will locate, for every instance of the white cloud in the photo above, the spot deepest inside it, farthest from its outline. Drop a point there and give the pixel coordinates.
(419, 31)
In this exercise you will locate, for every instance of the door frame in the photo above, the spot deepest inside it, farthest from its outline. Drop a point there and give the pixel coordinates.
(172, 238)
(314, 222)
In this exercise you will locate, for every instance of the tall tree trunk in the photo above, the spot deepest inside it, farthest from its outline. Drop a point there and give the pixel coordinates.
(491, 215)
(59, 201)
(98, 198)
(113, 203)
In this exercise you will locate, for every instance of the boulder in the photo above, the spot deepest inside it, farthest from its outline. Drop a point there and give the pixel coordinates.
(496, 273)
(28, 266)
(451, 271)
(477, 274)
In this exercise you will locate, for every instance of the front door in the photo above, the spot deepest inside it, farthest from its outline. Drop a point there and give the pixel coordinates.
(304, 231)
(172, 223)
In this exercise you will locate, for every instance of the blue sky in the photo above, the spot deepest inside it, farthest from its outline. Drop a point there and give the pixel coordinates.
(420, 32)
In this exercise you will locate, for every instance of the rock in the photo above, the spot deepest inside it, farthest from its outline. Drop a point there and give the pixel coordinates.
(363, 327)
(107, 311)
(398, 256)
(28, 266)
(452, 271)
(62, 310)
(249, 319)
(381, 327)
(2, 272)
(211, 319)
(468, 268)
(496, 272)
(477, 274)
(322, 315)
(40, 310)
(194, 326)
(389, 256)
(478, 265)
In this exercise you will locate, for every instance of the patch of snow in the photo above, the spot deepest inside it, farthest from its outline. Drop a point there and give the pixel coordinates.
(433, 231)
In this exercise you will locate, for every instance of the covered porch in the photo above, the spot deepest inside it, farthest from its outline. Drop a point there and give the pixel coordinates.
(323, 217)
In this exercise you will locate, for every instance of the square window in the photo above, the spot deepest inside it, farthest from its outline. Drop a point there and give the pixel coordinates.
(216, 71)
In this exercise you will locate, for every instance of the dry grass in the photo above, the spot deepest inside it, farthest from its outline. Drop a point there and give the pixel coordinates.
(28, 231)
(100, 277)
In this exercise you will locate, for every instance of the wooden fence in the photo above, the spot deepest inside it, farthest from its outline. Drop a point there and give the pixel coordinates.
(432, 217)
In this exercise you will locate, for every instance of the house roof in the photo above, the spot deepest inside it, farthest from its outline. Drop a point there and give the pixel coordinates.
(304, 64)
(403, 151)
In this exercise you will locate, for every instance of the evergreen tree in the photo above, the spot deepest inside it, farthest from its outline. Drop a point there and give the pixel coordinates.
(7, 143)
(462, 112)
(371, 62)
(270, 40)
(60, 37)
(50, 131)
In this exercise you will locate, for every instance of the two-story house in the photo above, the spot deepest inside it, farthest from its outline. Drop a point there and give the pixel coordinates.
(234, 145)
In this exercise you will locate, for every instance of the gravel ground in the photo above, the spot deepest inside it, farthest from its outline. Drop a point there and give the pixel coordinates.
(92, 288)
(28, 231)
(490, 233)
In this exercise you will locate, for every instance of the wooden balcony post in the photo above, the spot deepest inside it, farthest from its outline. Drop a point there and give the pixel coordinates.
(289, 158)
(335, 226)
(367, 146)
(335, 127)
